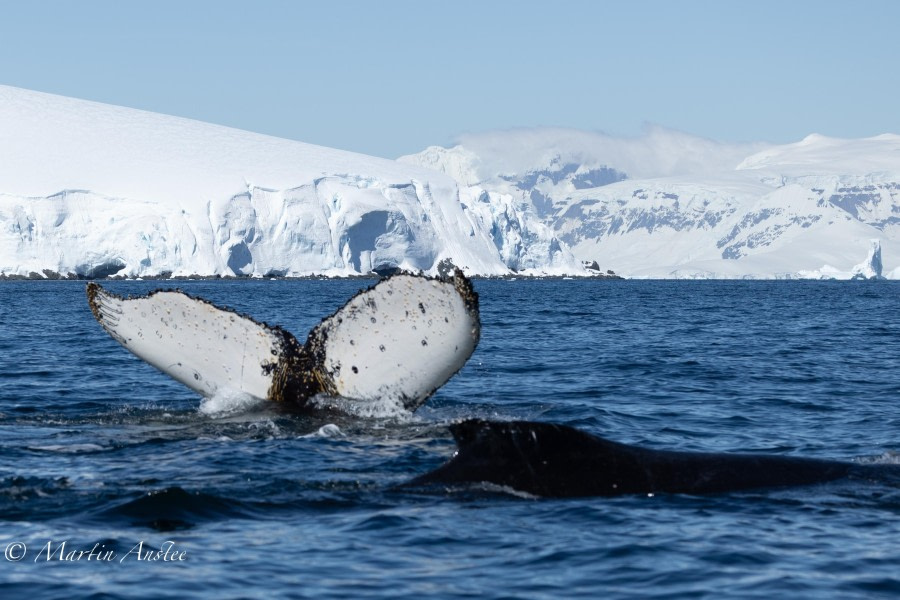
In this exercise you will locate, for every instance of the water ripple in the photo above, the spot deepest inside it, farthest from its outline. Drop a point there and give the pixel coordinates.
(99, 447)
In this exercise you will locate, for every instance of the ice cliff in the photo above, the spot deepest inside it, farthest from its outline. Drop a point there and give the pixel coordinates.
(95, 190)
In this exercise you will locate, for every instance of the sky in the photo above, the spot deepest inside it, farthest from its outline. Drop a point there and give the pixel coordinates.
(391, 77)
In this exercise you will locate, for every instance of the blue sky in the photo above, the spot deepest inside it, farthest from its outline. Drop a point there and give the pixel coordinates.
(392, 77)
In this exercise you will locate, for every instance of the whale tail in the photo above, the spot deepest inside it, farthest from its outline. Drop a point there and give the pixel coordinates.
(399, 340)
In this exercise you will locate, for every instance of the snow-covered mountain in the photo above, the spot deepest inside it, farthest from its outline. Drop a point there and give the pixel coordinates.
(668, 204)
(92, 190)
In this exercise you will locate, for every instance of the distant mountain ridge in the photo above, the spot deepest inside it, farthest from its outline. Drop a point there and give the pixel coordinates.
(697, 209)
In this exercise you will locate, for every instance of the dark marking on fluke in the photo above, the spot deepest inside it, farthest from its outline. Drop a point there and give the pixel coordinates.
(298, 370)
(550, 460)
(295, 370)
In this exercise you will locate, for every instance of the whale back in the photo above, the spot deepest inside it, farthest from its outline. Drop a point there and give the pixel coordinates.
(546, 459)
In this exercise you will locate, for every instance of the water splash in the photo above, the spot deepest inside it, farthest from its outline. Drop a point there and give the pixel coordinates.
(888, 457)
(227, 402)
(384, 408)
(326, 431)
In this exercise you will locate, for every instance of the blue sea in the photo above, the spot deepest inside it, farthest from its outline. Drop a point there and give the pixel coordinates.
(117, 482)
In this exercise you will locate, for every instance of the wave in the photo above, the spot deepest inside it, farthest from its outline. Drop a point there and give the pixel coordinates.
(68, 448)
(174, 508)
(888, 457)
(18, 487)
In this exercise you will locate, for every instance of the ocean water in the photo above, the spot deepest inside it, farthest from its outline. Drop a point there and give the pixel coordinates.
(236, 500)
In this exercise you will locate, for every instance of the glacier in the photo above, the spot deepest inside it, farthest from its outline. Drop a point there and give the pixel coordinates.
(93, 190)
(670, 205)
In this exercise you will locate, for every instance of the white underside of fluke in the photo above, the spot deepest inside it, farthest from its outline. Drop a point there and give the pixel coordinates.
(204, 347)
(400, 340)
(394, 343)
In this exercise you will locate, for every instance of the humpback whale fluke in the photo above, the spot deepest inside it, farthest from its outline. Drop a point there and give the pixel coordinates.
(544, 459)
(400, 339)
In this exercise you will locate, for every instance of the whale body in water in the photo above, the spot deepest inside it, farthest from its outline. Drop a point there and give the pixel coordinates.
(399, 340)
(402, 339)
(545, 459)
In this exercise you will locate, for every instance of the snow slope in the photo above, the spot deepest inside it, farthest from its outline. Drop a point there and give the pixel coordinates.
(671, 205)
(93, 189)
